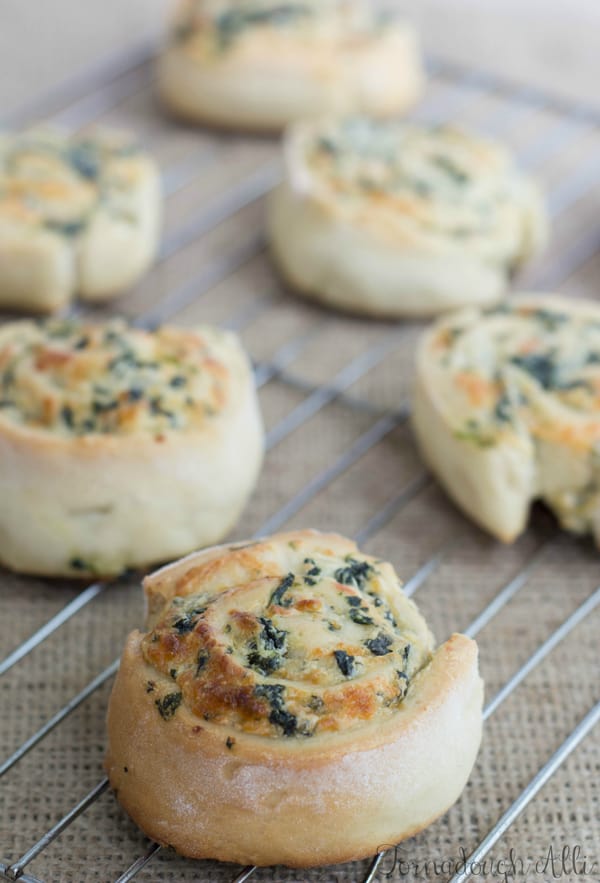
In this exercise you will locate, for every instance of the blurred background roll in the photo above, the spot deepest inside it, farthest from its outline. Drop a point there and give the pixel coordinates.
(555, 45)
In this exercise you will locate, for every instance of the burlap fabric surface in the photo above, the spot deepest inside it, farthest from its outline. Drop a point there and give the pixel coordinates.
(525, 730)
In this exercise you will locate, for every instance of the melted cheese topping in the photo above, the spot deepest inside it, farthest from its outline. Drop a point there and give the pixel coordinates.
(74, 379)
(214, 27)
(327, 645)
(528, 371)
(54, 183)
(438, 188)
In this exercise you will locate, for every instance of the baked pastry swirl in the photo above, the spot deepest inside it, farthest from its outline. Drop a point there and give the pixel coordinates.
(77, 215)
(120, 447)
(258, 64)
(394, 220)
(507, 410)
(287, 706)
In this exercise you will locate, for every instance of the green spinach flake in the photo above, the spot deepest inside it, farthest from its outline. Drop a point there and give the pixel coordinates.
(451, 169)
(277, 597)
(311, 577)
(380, 645)
(359, 617)
(540, 366)
(279, 716)
(168, 705)
(85, 158)
(185, 624)
(266, 652)
(232, 23)
(356, 573)
(345, 663)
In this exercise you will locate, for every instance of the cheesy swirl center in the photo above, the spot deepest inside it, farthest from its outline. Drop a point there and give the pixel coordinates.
(523, 370)
(55, 184)
(218, 26)
(77, 379)
(434, 185)
(317, 650)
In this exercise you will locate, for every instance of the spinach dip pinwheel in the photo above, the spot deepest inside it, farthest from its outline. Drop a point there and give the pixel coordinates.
(287, 705)
(507, 411)
(259, 64)
(78, 215)
(120, 447)
(387, 219)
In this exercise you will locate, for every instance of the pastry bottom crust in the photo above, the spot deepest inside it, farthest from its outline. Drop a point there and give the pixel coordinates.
(344, 267)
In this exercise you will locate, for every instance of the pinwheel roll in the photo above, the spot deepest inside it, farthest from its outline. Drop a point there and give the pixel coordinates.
(507, 411)
(77, 216)
(120, 447)
(393, 220)
(259, 64)
(287, 706)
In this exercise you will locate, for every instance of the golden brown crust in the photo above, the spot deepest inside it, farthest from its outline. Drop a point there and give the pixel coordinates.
(280, 794)
(301, 634)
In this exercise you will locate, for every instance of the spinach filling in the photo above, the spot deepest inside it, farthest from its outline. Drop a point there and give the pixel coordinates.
(277, 597)
(356, 573)
(544, 368)
(168, 705)
(540, 366)
(185, 624)
(311, 577)
(503, 411)
(66, 228)
(345, 663)
(85, 158)
(380, 645)
(550, 319)
(279, 715)
(231, 24)
(451, 169)
(80, 564)
(266, 653)
(356, 615)
(476, 434)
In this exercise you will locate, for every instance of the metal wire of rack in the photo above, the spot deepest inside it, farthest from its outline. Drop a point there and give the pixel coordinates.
(564, 135)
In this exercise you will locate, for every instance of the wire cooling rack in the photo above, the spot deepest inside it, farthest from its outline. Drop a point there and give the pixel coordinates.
(334, 391)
